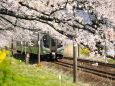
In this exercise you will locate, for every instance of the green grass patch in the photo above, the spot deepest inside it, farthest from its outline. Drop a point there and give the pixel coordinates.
(111, 61)
(16, 73)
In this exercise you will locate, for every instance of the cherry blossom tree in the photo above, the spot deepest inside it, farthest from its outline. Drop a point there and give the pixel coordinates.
(90, 22)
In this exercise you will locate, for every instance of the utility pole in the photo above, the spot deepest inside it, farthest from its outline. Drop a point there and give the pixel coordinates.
(38, 47)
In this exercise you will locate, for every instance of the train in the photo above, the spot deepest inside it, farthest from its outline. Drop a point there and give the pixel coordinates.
(49, 47)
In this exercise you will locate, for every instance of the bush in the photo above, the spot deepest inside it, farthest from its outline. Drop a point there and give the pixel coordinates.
(3, 54)
(85, 51)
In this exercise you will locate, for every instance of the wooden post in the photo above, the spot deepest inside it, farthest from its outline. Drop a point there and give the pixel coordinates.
(25, 48)
(105, 52)
(56, 41)
(78, 50)
(38, 48)
(74, 62)
(41, 46)
(50, 45)
(12, 47)
(27, 55)
(105, 49)
(21, 47)
(27, 58)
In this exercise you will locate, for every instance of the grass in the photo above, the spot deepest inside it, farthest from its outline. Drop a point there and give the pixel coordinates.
(15, 73)
(112, 61)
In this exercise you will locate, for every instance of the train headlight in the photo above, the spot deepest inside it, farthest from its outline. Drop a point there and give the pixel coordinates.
(53, 53)
(31, 44)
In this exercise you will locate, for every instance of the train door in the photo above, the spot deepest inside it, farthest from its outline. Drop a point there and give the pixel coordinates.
(53, 45)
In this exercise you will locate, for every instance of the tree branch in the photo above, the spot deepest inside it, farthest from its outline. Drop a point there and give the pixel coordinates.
(22, 16)
(22, 4)
(15, 25)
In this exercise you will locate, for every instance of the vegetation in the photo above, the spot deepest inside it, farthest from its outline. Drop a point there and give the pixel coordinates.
(3, 54)
(25, 75)
(85, 51)
(112, 61)
(15, 73)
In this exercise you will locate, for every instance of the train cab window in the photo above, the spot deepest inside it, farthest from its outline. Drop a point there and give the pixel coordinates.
(46, 41)
(53, 42)
(59, 45)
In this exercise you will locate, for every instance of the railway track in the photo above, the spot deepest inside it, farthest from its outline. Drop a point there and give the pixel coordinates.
(103, 73)
(104, 70)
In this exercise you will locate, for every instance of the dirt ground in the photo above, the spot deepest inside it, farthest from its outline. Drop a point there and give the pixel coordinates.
(82, 76)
